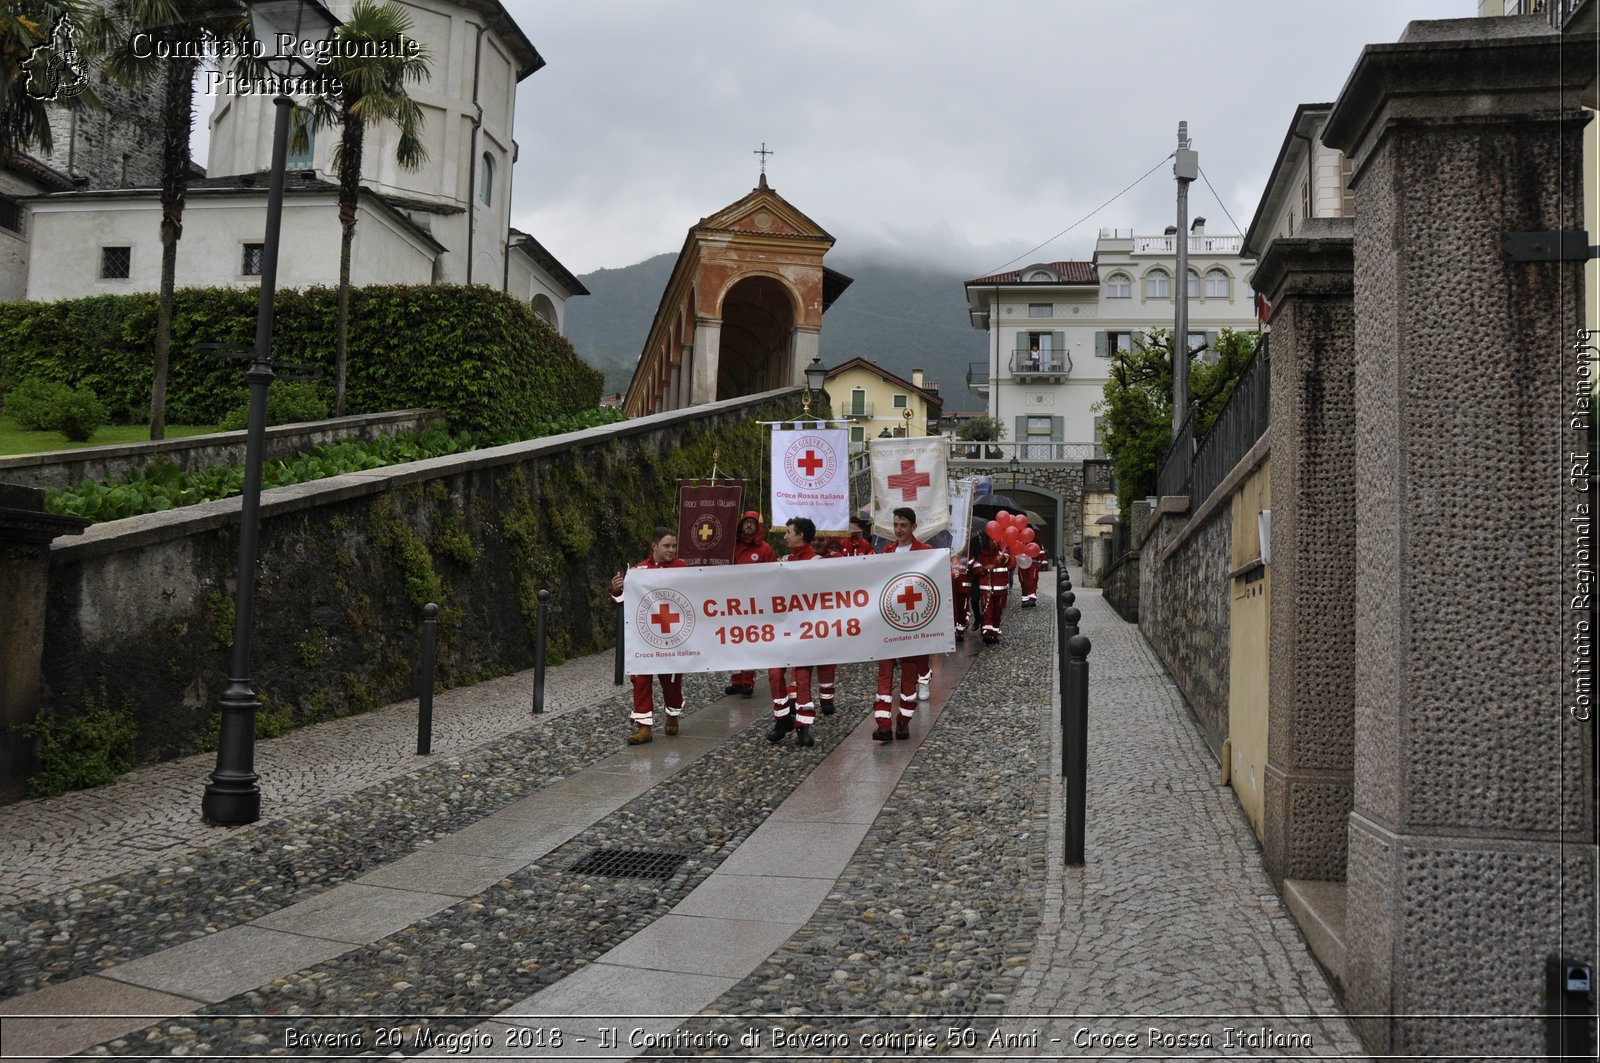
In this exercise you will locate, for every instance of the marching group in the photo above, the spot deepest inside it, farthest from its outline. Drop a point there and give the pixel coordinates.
(798, 697)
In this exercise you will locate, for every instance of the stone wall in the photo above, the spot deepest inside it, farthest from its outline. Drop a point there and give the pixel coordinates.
(140, 611)
(1121, 587)
(1187, 620)
(64, 468)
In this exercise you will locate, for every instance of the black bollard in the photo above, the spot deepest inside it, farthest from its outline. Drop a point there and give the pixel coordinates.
(538, 652)
(1075, 743)
(430, 632)
(616, 679)
(1070, 618)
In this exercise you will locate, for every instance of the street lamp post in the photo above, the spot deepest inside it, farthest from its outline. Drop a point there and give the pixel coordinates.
(816, 376)
(232, 796)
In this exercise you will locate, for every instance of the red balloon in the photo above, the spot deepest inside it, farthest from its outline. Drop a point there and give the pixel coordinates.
(1028, 534)
(1009, 534)
(1032, 550)
(1019, 519)
(993, 528)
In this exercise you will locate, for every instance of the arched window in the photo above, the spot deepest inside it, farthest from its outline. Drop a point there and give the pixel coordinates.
(1157, 285)
(1119, 286)
(1194, 285)
(1218, 284)
(486, 182)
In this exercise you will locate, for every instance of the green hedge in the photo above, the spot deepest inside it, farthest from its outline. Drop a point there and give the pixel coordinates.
(475, 353)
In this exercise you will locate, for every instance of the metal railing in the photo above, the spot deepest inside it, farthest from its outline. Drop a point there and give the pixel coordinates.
(1055, 363)
(1195, 469)
(858, 409)
(1002, 451)
(978, 375)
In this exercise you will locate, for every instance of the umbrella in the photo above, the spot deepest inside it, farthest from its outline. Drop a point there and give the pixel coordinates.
(989, 505)
(1107, 519)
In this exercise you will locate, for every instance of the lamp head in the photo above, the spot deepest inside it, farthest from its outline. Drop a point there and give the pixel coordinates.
(287, 29)
(816, 374)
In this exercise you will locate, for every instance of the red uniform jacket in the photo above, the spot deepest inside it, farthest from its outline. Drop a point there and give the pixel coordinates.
(756, 550)
(855, 546)
(650, 562)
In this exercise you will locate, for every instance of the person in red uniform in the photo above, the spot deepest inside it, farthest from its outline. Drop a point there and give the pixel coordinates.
(792, 707)
(856, 544)
(961, 593)
(1028, 580)
(663, 554)
(753, 549)
(992, 569)
(915, 673)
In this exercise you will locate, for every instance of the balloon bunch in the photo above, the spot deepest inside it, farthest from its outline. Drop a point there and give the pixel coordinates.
(1011, 533)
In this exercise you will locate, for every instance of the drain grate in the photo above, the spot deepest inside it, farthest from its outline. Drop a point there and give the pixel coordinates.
(629, 863)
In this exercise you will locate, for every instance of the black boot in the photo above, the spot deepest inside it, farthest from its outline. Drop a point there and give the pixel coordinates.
(803, 737)
(825, 706)
(781, 725)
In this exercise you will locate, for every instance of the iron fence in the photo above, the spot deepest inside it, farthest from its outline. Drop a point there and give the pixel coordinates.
(1241, 423)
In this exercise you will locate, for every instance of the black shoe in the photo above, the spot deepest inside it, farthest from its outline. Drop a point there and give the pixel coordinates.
(803, 736)
(825, 706)
(883, 734)
(781, 726)
(739, 688)
(902, 729)
(747, 692)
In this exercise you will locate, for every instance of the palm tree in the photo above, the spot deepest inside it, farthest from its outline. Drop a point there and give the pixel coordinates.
(372, 90)
(188, 22)
(36, 72)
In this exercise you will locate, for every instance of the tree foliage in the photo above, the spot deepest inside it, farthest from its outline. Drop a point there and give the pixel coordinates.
(981, 429)
(1137, 408)
(28, 49)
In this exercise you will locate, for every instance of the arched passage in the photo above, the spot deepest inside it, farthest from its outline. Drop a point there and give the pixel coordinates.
(758, 319)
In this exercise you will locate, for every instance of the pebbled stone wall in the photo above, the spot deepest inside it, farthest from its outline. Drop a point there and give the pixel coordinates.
(1189, 624)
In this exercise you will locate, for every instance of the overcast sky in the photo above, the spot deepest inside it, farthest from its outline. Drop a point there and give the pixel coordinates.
(956, 132)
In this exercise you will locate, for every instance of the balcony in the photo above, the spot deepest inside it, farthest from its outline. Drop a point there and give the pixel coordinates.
(1046, 367)
(858, 411)
(1198, 245)
(978, 379)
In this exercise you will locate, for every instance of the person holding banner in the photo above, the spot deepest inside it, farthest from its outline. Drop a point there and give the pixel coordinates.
(915, 672)
(663, 554)
(961, 593)
(753, 549)
(856, 544)
(792, 707)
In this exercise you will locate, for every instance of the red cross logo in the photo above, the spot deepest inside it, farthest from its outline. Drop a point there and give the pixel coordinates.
(664, 618)
(907, 480)
(909, 598)
(810, 463)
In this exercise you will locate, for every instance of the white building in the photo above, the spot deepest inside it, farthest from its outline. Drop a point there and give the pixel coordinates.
(445, 222)
(1054, 327)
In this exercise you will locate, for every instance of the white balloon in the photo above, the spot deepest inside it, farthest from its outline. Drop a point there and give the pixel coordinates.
(1024, 561)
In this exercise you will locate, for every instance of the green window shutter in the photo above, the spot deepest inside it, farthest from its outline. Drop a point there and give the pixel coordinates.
(1057, 429)
(1022, 429)
(1101, 345)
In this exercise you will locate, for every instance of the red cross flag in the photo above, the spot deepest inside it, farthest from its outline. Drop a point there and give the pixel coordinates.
(910, 472)
(811, 477)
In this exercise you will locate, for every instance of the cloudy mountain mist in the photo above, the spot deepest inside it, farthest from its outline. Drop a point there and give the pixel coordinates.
(903, 315)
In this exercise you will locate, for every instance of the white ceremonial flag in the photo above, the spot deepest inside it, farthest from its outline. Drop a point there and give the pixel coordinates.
(910, 472)
(836, 610)
(811, 477)
(962, 492)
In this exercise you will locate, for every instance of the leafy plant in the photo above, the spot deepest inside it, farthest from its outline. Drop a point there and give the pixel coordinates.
(90, 749)
(44, 405)
(981, 429)
(288, 403)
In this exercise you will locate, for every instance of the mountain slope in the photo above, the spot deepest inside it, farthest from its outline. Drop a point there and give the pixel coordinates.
(901, 315)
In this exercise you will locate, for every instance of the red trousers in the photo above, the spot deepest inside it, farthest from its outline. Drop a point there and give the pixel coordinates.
(797, 688)
(911, 669)
(1029, 579)
(644, 713)
(993, 604)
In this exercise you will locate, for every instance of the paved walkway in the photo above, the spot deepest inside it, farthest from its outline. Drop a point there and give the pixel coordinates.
(1171, 941)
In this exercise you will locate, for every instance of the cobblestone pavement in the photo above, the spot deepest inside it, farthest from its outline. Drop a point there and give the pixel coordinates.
(49, 844)
(1171, 937)
(954, 913)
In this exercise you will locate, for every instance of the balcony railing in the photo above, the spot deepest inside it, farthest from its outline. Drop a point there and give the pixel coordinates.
(1027, 364)
(1198, 245)
(858, 409)
(978, 378)
(1002, 451)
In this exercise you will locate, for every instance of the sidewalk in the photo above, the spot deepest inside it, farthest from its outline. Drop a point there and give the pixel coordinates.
(858, 900)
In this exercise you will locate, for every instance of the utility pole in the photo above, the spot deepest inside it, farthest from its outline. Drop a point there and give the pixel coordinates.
(1185, 167)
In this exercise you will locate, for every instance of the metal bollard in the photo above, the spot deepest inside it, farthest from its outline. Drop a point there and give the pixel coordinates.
(1075, 743)
(430, 633)
(1070, 618)
(616, 679)
(538, 652)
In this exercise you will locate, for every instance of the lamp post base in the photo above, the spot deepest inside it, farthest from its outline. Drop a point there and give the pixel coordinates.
(232, 797)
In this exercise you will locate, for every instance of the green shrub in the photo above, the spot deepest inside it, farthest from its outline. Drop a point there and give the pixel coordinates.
(40, 405)
(87, 750)
(477, 354)
(287, 403)
(33, 403)
(79, 414)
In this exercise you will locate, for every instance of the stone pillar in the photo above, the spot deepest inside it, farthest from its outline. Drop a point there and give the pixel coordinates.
(805, 343)
(1311, 698)
(707, 344)
(1471, 842)
(25, 534)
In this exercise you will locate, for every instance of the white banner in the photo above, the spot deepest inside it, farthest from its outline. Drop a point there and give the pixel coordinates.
(962, 492)
(829, 611)
(811, 477)
(910, 472)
